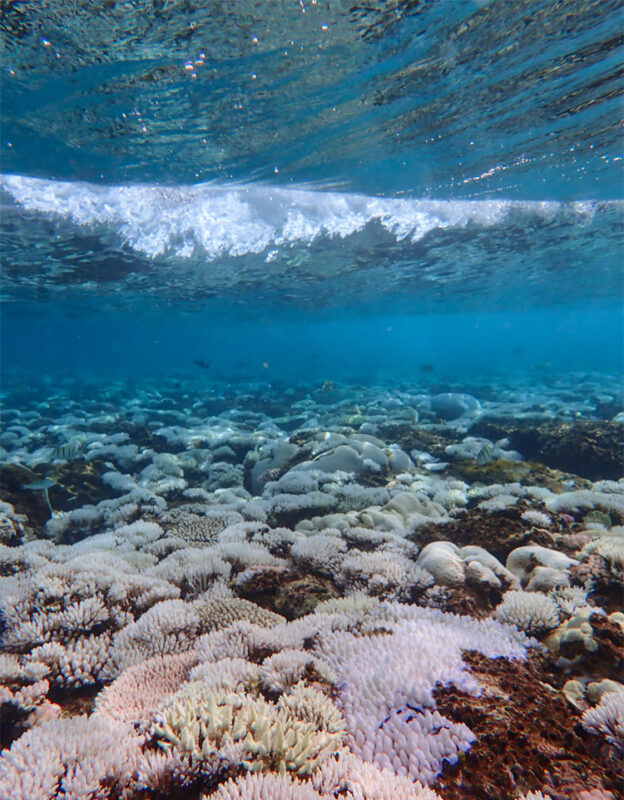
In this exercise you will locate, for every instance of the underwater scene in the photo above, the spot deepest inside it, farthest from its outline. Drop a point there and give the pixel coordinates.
(312, 358)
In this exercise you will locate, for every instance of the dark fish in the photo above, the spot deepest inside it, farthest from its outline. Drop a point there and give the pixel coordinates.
(199, 362)
(427, 368)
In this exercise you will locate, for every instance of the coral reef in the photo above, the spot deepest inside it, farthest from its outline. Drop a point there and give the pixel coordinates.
(353, 593)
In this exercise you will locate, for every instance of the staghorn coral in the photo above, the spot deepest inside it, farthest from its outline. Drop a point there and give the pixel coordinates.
(387, 681)
(193, 570)
(349, 777)
(380, 574)
(236, 641)
(25, 707)
(80, 662)
(528, 611)
(293, 735)
(79, 758)
(227, 674)
(140, 689)
(357, 602)
(164, 773)
(171, 626)
(286, 668)
(296, 735)
(322, 552)
(265, 787)
(607, 719)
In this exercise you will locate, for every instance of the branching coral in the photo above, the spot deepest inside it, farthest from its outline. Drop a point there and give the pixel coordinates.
(141, 688)
(168, 627)
(293, 735)
(79, 758)
(387, 681)
(607, 718)
(265, 787)
(528, 611)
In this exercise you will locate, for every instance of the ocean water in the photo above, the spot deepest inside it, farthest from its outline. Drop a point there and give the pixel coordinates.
(291, 292)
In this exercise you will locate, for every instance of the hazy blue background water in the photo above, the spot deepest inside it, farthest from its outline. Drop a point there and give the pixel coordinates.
(257, 185)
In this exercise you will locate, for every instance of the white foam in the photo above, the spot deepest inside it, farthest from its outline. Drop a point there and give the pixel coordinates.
(212, 220)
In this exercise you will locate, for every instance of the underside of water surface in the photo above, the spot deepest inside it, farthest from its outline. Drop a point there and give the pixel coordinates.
(311, 370)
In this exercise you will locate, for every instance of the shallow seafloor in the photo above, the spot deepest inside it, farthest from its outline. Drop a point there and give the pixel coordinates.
(312, 591)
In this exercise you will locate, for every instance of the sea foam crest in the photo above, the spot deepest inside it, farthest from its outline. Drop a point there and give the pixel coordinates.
(218, 220)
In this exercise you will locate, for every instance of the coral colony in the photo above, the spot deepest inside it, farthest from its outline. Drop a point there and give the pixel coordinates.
(311, 592)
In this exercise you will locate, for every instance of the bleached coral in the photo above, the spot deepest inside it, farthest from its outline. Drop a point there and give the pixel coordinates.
(573, 502)
(610, 546)
(219, 613)
(387, 682)
(380, 573)
(227, 674)
(141, 688)
(198, 528)
(577, 630)
(164, 773)
(323, 551)
(442, 561)
(265, 787)
(349, 777)
(283, 670)
(607, 718)
(499, 502)
(80, 662)
(523, 560)
(569, 599)
(357, 602)
(528, 611)
(537, 518)
(294, 735)
(168, 627)
(193, 570)
(81, 758)
(450, 565)
(544, 579)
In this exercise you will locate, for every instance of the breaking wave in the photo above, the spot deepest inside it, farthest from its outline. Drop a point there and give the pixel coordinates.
(213, 221)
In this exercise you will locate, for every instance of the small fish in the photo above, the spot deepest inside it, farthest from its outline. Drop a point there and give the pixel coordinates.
(199, 362)
(427, 369)
(485, 455)
(42, 485)
(67, 451)
(437, 466)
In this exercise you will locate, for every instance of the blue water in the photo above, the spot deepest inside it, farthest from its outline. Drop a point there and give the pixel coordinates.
(296, 267)
(333, 190)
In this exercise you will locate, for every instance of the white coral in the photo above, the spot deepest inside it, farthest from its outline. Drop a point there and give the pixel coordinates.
(78, 758)
(387, 682)
(528, 611)
(607, 718)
